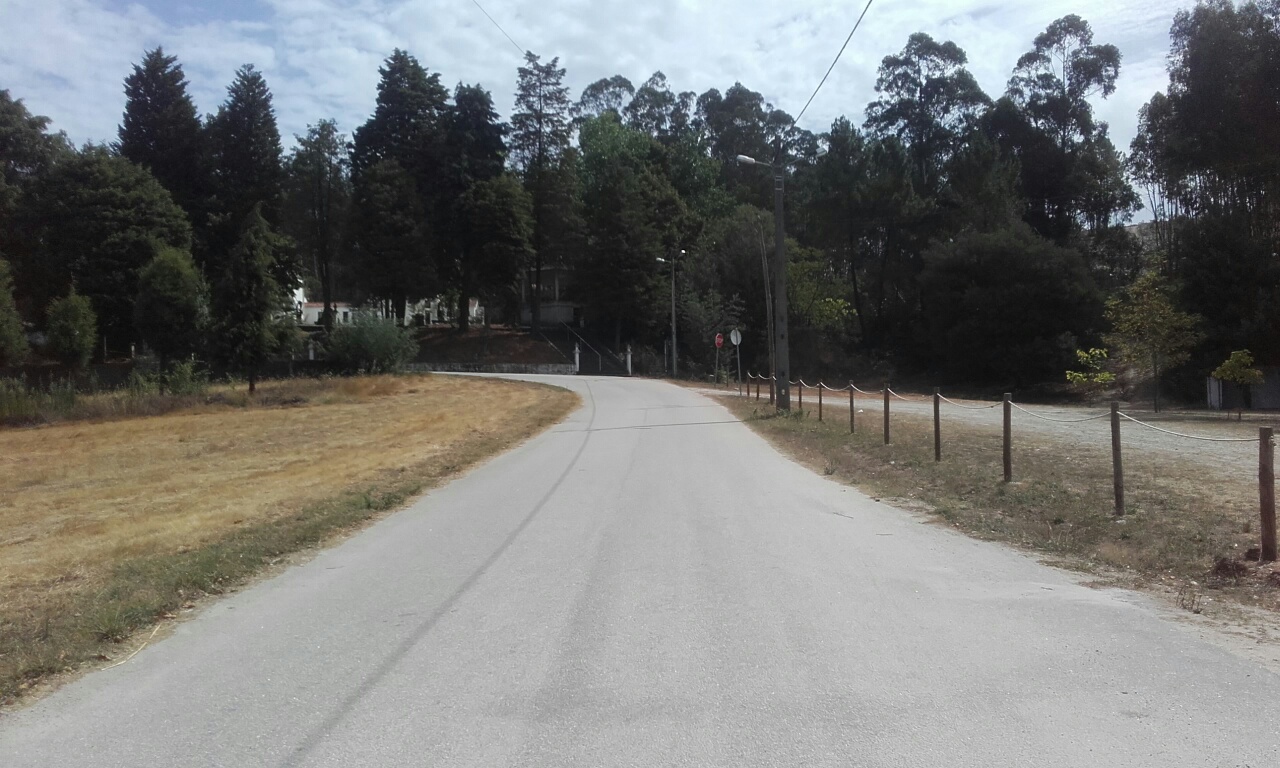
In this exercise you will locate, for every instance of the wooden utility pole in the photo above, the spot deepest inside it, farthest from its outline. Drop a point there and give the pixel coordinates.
(937, 424)
(886, 413)
(1008, 437)
(1117, 466)
(852, 411)
(1267, 491)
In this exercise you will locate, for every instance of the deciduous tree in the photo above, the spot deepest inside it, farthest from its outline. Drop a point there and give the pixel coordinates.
(72, 330)
(98, 219)
(169, 311)
(13, 338)
(1150, 332)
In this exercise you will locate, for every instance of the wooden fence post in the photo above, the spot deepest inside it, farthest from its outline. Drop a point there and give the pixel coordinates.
(1008, 437)
(937, 424)
(1117, 466)
(886, 413)
(853, 410)
(1267, 491)
(800, 389)
(819, 399)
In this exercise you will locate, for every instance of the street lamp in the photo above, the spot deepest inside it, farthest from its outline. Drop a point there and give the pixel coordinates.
(781, 374)
(675, 354)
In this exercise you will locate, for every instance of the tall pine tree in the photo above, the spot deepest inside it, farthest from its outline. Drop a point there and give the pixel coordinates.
(407, 121)
(402, 142)
(540, 131)
(245, 299)
(248, 173)
(161, 131)
(476, 152)
(389, 230)
(319, 201)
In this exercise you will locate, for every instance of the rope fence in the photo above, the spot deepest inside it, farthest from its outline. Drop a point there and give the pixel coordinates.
(1265, 439)
(1059, 421)
(1192, 437)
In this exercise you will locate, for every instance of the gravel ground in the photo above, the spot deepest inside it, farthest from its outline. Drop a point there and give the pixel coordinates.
(1227, 460)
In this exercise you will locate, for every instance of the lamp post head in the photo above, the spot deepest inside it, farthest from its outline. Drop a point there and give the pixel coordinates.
(746, 160)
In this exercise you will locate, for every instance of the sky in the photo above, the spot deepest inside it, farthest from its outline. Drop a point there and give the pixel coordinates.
(67, 59)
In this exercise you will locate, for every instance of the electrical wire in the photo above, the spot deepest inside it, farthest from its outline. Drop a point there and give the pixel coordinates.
(520, 50)
(833, 64)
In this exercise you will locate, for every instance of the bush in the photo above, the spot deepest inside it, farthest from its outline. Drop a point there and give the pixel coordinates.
(371, 345)
(72, 329)
(20, 404)
(13, 341)
(169, 308)
(185, 379)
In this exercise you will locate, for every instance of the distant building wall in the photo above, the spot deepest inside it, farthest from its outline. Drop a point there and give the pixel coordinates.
(1223, 395)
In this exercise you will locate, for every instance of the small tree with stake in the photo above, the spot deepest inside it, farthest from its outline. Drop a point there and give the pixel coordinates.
(1238, 369)
(1151, 333)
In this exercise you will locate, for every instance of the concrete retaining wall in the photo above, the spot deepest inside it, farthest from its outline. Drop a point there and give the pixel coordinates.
(559, 369)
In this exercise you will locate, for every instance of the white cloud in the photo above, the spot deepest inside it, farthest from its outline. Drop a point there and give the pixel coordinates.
(67, 58)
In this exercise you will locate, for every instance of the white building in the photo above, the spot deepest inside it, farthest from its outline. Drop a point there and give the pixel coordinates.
(431, 311)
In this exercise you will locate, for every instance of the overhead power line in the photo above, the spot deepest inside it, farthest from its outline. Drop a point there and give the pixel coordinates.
(499, 26)
(833, 63)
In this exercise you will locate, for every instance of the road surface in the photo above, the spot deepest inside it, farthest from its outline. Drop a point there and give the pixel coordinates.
(650, 584)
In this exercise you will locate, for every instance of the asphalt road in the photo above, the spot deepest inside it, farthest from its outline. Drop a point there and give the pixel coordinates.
(650, 584)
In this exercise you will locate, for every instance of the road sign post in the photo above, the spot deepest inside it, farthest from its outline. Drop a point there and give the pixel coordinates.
(735, 338)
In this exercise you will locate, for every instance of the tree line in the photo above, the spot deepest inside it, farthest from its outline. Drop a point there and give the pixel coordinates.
(966, 236)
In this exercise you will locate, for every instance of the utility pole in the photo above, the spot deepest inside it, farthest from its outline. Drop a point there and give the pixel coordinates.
(675, 350)
(780, 284)
(675, 346)
(782, 358)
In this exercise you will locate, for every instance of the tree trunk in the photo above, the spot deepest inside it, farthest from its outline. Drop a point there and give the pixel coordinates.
(535, 305)
(326, 292)
(253, 381)
(1155, 365)
(464, 307)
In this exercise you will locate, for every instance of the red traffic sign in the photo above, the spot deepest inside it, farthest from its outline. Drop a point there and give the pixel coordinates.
(719, 340)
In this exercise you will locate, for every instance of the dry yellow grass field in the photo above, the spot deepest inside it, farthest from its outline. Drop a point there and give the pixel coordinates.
(78, 499)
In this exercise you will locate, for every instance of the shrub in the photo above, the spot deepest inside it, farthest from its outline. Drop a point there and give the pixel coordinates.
(13, 341)
(72, 329)
(169, 307)
(185, 378)
(371, 345)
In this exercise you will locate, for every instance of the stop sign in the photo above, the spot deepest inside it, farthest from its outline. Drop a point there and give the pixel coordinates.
(719, 340)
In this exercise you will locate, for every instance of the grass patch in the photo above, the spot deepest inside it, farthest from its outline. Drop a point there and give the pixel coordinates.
(106, 528)
(1183, 519)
